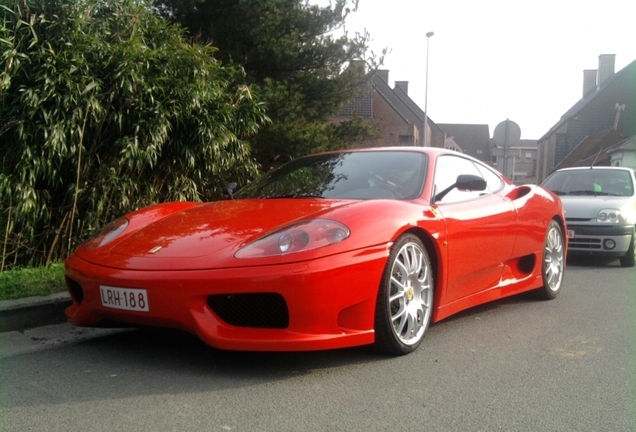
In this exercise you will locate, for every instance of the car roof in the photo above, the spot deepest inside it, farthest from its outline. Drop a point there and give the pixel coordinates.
(431, 151)
(582, 168)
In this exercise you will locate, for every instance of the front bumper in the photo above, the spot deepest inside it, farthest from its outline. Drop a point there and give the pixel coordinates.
(602, 240)
(330, 301)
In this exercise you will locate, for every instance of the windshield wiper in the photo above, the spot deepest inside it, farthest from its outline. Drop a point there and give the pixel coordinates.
(589, 192)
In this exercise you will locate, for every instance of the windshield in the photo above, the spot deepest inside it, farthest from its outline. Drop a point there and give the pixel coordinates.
(591, 182)
(354, 175)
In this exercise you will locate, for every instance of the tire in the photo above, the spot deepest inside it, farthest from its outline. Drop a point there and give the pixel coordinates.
(405, 298)
(553, 265)
(630, 256)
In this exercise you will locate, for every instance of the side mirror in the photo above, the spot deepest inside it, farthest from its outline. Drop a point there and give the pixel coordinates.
(470, 182)
(229, 189)
(466, 182)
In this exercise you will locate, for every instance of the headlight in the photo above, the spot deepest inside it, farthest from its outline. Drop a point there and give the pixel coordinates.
(299, 237)
(610, 216)
(109, 233)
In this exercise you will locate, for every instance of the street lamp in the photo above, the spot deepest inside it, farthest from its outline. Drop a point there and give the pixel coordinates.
(428, 37)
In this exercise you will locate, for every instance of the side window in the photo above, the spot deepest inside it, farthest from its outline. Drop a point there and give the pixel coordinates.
(493, 181)
(446, 172)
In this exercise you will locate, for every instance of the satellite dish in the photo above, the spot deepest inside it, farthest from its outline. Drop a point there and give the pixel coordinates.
(507, 134)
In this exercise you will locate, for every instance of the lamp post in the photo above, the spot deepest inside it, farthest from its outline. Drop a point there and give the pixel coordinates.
(424, 143)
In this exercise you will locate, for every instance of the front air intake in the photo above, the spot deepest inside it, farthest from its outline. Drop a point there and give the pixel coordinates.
(261, 310)
(75, 289)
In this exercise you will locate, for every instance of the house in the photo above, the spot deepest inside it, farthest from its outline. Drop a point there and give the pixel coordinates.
(592, 150)
(399, 120)
(472, 139)
(522, 161)
(624, 153)
(606, 148)
(608, 103)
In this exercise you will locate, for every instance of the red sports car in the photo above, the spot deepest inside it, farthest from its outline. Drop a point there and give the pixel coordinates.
(331, 250)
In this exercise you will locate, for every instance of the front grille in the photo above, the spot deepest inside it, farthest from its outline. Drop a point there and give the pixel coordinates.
(263, 310)
(585, 243)
(568, 220)
(76, 289)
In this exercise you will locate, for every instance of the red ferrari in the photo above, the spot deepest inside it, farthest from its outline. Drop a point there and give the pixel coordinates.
(332, 250)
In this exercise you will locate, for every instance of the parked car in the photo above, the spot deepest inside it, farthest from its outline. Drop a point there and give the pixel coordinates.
(331, 250)
(600, 210)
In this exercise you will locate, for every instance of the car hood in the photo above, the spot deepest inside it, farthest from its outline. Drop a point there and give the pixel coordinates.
(206, 236)
(587, 207)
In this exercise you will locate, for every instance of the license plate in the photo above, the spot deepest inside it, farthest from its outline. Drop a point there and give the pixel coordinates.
(124, 298)
(570, 233)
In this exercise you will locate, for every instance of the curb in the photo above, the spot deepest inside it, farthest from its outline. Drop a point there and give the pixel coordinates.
(22, 314)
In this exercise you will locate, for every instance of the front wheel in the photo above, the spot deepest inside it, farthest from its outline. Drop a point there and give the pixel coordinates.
(553, 262)
(630, 257)
(405, 298)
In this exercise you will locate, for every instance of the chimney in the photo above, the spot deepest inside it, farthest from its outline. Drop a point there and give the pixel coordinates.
(384, 74)
(589, 81)
(358, 65)
(404, 85)
(605, 68)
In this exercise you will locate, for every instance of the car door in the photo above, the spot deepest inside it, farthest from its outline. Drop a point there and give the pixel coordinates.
(481, 228)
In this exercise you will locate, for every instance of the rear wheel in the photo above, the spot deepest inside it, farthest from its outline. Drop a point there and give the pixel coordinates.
(553, 262)
(630, 257)
(405, 298)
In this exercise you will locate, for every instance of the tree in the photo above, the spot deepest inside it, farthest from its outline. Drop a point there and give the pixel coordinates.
(104, 108)
(288, 50)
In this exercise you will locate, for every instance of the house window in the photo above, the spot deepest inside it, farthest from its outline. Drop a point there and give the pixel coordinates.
(405, 139)
(528, 156)
(480, 152)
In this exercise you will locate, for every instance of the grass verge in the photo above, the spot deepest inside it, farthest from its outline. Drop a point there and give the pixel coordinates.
(33, 281)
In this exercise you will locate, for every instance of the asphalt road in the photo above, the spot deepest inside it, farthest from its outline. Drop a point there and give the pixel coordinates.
(519, 364)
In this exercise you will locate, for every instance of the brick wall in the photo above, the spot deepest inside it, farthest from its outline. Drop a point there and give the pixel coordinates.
(391, 126)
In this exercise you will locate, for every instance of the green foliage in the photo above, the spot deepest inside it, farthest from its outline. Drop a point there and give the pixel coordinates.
(288, 50)
(105, 108)
(28, 282)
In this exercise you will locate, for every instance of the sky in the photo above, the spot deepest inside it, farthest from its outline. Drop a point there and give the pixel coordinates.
(492, 60)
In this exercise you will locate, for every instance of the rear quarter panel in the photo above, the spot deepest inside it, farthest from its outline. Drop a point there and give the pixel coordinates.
(535, 208)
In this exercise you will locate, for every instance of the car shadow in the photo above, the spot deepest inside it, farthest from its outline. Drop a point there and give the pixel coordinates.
(164, 343)
(149, 361)
(523, 298)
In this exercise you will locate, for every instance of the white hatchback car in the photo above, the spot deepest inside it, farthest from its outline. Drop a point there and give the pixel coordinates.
(600, 210)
